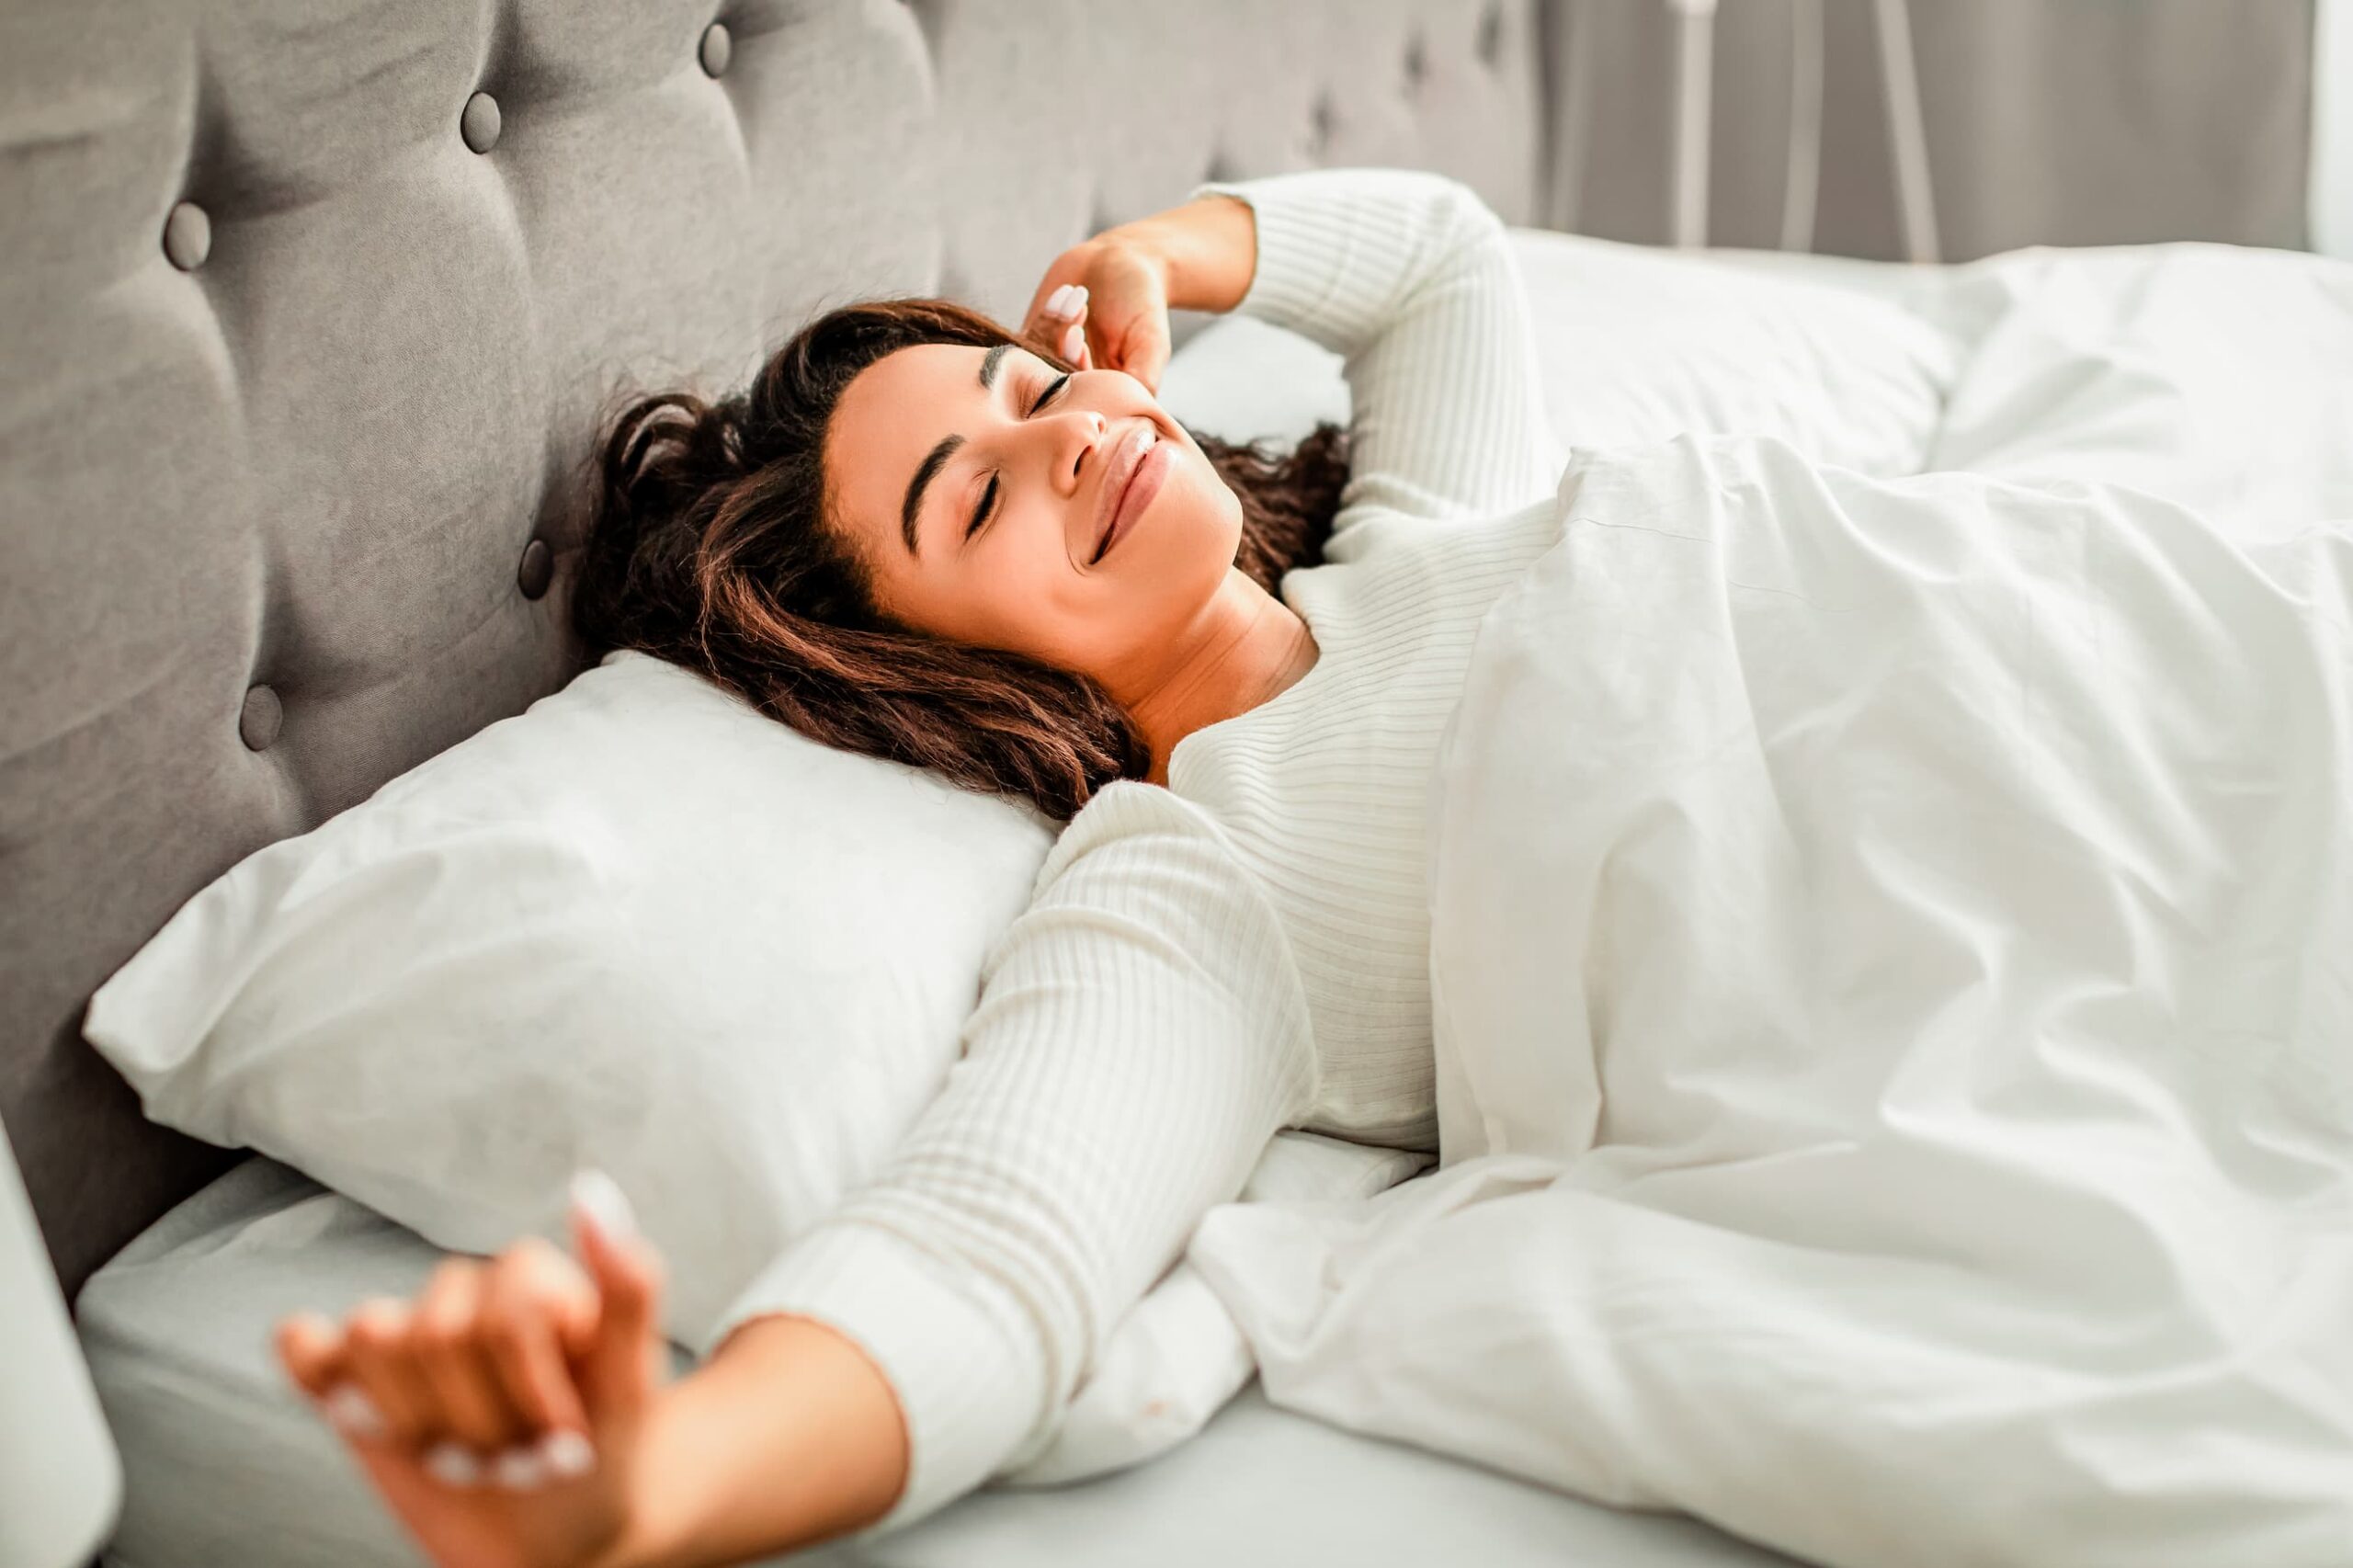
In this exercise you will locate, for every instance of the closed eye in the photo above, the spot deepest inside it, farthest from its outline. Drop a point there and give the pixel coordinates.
(981, 512)
(988, 497)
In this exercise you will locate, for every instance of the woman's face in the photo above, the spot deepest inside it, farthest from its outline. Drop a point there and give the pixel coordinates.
(928, 438)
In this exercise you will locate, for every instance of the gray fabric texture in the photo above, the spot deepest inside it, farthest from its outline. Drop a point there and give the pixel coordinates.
(305, 442)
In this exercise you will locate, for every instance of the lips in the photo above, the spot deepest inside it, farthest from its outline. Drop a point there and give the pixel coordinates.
(1125, 462)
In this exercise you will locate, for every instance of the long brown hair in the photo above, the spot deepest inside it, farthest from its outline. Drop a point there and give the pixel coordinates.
(710, 545)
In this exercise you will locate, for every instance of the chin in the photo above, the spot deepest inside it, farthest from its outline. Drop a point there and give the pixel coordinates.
(1191, 549)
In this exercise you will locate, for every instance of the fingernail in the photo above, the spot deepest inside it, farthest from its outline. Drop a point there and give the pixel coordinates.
(1077, 298)
(520, 1469)
(353, 1410)
(602, 1196)
(1072, 341)
(567, 1454)
(452, 1465)
(1058, 302)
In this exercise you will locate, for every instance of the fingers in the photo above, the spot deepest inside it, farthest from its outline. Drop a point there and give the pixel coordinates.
(380, 1365)
(1058, 324)
(313, 1351)
(535, 1301)
(473, 1384)
(620, 1368)
(1067, 269)
(501, 1372)
(456, 1365)
(310, 1349)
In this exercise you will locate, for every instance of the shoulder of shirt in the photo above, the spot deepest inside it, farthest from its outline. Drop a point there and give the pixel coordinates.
(1128, 808)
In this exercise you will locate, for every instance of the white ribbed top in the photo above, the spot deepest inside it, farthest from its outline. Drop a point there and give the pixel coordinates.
(1247, 949)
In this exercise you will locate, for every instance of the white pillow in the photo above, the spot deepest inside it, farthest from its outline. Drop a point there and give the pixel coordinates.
(640, 926)
(1636, 345)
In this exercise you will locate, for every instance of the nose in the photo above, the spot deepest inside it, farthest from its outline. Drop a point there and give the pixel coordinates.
(1082, 432)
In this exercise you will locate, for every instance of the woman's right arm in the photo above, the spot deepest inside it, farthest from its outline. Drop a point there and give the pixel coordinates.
(1139, 1037)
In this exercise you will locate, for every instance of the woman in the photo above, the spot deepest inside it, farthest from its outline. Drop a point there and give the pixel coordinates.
(921, 536)
(1941, 971)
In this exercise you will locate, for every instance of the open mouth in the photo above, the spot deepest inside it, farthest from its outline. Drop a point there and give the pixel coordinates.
(1138, 466)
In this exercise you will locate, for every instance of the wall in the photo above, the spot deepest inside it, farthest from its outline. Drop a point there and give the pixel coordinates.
(2048, 122)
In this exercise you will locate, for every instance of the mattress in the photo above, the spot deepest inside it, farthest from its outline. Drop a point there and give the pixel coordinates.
(227, 1467)
(2230, 365)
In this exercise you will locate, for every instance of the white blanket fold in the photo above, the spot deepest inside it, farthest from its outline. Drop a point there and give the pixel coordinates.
(1893, 965)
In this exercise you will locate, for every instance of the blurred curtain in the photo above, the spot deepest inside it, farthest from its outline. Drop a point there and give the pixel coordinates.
(2047, 121)
(2332, 177)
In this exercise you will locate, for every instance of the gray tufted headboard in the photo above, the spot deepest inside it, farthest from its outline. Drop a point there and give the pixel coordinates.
(310, 309)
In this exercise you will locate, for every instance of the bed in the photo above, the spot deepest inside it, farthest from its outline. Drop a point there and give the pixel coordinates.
(322, 530)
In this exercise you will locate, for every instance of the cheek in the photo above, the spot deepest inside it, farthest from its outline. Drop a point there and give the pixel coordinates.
(1025, 597)
(978, 604)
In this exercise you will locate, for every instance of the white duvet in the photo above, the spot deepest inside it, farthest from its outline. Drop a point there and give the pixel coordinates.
(1894, 963)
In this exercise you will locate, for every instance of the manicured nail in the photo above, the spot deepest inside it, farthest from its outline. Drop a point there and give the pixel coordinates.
(1058, 303)
(452, 1465)
(602, 1196)
(567, 1454)
(520, 1469)
(353, 1410)
(1077, 299)
(1074, 342)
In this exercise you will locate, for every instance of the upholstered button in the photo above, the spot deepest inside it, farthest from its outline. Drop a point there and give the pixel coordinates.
(1319, 124)
(1491, 35)
(258, 723)
(717, 48)
(536, 570)
(480, 124)
(1417, 64)
(187, 237)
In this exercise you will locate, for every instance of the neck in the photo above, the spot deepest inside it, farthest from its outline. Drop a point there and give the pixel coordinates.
(1245, 647)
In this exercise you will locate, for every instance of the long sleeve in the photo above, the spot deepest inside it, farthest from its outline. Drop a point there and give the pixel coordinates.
(1139, 1040)
(1410, 277)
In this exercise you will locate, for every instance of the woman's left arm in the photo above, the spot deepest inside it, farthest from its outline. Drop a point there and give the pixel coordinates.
(1407, 275)
(1411, 277)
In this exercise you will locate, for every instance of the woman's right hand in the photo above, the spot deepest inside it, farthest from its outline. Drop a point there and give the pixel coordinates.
(502, 1414)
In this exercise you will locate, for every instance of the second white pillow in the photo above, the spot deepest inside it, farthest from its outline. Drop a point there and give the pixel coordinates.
(1637, 345)
(640, 926)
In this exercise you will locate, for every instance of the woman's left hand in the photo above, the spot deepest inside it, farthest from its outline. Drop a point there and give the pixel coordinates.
(1104, 303)
(1203, 255)
(502, 1413)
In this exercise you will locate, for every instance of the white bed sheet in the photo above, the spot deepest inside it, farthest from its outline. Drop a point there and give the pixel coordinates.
(226, 1467)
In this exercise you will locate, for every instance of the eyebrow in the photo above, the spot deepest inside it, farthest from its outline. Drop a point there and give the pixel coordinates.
(936, 459)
